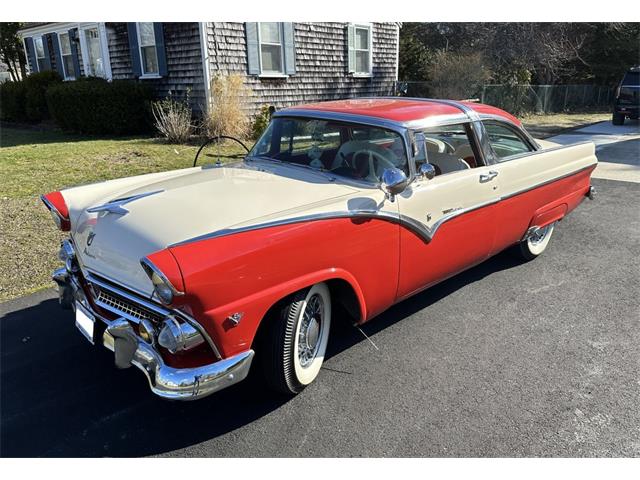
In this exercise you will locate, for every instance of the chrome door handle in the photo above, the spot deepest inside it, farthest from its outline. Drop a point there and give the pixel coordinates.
(487, 177)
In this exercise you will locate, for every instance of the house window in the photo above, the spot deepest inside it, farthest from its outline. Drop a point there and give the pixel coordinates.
(67, 56)
(95, 60)
(270, 39)
(148, 50)
(360, 49)
(40, 57)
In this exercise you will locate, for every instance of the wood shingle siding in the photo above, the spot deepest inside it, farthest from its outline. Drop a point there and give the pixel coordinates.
(184, 61)
(321, 63)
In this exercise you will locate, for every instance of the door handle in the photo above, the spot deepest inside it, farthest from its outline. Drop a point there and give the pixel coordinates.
(487, 177)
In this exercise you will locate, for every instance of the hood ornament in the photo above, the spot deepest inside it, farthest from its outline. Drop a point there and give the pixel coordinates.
(115, 206)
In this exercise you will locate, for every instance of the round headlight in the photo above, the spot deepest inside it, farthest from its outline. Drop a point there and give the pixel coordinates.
(164, 293)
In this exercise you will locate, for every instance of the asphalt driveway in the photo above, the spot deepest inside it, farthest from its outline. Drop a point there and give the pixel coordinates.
(506, 359)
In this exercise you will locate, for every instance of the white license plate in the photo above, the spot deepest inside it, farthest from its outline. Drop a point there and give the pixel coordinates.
(85, 322)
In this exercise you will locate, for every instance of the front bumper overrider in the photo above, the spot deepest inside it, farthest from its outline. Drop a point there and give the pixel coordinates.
(129, 348)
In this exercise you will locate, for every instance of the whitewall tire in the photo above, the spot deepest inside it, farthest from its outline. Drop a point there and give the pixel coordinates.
(536, 243)
(294, 349)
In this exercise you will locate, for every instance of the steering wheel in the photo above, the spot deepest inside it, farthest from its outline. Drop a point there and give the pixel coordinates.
(375, 159)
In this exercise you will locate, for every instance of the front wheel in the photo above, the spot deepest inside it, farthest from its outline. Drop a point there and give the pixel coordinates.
(536, 243)
(296, 343)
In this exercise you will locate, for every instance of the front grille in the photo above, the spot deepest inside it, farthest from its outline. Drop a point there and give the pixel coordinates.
(125, 307)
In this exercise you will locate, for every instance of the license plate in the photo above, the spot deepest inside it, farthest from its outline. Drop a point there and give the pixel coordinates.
(85, 322)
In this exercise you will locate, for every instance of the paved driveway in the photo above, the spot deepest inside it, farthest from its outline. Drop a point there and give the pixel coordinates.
(617, 148)
(506, 359)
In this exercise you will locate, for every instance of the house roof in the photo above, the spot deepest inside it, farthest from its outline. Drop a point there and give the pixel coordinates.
(401, 110)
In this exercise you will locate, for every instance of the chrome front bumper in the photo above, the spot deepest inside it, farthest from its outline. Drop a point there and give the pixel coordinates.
(129, 349)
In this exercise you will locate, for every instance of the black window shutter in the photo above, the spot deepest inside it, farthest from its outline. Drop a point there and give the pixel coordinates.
(253, 49)
(58, 53)
(31, 54)
(136, 66)
(158, 31)
(73, 40)
(289, 49)
(47, 52)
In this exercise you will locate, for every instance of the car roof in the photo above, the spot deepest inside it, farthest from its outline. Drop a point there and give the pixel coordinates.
(401, 110)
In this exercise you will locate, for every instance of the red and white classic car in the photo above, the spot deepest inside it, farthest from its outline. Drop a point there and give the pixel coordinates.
(188, 274)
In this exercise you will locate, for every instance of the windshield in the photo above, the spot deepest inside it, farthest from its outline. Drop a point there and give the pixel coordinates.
(355, 151)
(631, 78)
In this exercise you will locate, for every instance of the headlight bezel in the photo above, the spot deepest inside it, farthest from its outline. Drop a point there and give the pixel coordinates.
(163, 290)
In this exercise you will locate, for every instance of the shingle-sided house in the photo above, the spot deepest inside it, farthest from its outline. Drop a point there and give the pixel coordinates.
(283, 63)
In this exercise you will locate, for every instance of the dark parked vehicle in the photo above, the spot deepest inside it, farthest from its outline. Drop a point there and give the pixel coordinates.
(627, 100)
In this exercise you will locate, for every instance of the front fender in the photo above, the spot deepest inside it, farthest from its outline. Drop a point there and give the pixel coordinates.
(248, 272)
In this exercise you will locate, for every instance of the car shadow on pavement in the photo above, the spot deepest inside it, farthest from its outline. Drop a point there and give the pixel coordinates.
(62, 397)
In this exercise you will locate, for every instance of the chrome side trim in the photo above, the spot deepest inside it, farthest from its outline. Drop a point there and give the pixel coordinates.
(410, 223)
(546, 182)
(153, 307)
(422, 230)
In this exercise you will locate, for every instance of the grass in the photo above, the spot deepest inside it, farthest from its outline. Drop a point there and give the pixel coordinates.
(34, 162)
(548, 125)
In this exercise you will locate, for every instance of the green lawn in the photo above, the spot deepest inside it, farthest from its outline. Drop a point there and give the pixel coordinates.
(34, 162)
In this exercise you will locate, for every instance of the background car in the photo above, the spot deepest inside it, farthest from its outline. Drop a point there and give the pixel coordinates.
(627, 100)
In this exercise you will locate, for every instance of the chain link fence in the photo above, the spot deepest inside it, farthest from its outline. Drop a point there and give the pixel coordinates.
(518, 99)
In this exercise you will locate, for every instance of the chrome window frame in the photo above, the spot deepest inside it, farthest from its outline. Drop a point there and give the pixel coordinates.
(520, 133)
(354, 119)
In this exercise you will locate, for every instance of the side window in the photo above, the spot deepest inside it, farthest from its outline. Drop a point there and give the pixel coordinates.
(505, 141)
(450, 148)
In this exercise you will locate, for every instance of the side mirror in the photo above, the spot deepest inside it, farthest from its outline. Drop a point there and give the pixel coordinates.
(427, 171)
(394, 181)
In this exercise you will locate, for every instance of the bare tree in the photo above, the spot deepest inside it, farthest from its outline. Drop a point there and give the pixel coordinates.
(11, 53)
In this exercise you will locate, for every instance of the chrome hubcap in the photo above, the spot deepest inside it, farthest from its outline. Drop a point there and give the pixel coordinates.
(539, 235)
(310, 329)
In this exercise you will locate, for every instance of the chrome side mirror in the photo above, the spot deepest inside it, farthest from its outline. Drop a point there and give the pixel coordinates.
(427, 171)
(394, 181)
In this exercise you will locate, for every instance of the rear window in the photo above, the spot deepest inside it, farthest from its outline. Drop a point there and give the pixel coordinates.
(631, 78)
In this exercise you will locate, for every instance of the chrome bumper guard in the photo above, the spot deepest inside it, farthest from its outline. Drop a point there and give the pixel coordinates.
(129, 349)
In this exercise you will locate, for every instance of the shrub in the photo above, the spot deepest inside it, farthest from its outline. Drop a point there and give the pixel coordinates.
(96, 106)
(457, 75)
(12, 102)
(261, 121)
(226, 114)
(36, 86)
(173, 119)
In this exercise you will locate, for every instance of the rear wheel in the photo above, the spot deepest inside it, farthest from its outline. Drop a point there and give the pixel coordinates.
(617, 119)
(295, 345)
(536, 243)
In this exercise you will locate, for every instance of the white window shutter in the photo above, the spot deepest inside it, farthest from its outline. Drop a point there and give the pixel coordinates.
(289, 48)
(351, 39)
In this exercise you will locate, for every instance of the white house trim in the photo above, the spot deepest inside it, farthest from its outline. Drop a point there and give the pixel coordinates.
(206, 72)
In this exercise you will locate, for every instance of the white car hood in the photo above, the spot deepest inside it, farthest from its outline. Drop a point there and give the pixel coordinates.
(187, 203)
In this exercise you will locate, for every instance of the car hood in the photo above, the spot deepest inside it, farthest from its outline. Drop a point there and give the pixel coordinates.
(160, 210)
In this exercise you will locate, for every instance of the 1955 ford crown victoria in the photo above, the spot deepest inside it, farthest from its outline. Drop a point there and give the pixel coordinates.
(186, 274)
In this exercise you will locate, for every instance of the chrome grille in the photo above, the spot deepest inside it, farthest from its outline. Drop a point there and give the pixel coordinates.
(127, 309)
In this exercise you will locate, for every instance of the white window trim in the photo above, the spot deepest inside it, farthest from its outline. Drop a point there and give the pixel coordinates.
(104, 47)
(64, 68)
(35, 49)
(155, 45)
(272, 74)
(369, 28)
